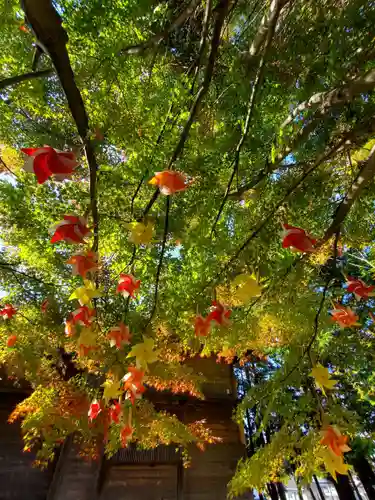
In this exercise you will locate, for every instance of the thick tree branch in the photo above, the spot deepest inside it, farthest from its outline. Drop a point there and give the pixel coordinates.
(299, 138)
(250, 106)
(335, 97)
(267, 23)
(220, 13)
(14, 80)
(364, 178)
(46, 24)
(156, 39)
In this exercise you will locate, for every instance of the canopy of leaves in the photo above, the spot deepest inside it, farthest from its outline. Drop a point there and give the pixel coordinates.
(267, 108)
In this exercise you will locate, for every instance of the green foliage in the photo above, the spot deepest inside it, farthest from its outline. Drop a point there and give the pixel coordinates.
(138, 105)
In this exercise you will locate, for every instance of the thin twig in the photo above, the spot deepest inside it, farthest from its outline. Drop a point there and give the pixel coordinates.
(9, 267)
(159, 37)
(157, 142)
(161, 258)
(221, 11)
(202, 44)
(8, 169)
(250, 109)
(14, 80)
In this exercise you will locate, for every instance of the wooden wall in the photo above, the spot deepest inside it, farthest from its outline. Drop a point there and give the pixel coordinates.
(18, 479)
(133, 475)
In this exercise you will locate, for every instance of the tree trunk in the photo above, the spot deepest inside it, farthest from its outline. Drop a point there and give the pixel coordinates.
(319, 488)
(312, 493)
(281, 491)
(344, 488)
(365, 473)
(272, 490)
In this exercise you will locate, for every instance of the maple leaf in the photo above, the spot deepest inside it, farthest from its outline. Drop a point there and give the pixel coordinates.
(119, 336)
(359, 288)
(247, 288)
(85, 293)
(297, 239)
(94, 410)
(322, 377)
(133, 384)
(115, 412)
(344, 316)
(69, 328)
(83, 263)
(83, 316)
(140, 233)
(169, 182)
(220, 314)
(8, 311)
(87, 341)
(127, 285)
(335, 441)
(126, 435)
(333, 463)
(12, 339)
(72, 229)
(111, 390)
(144, 353)
(202, 326)
(45, 162)
(44, 306)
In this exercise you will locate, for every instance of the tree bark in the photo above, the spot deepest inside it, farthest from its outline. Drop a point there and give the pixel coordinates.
(365, 473)
(344, 488)
(281, 491)
(272, 490)
(319, 488)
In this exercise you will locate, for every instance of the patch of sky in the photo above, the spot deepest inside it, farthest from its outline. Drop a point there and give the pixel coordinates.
(4, 176)
(290, 159)
(175, 252)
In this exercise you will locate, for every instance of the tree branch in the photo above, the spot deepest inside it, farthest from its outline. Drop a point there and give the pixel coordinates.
(47, 26)
(268, 22)
(272, 212)
(161, 258)
(14, 80)
(251, 103)
(220, 13)
(202, 44)
(9, 267)
(158, 141)
(364, 177)
(163, 35)
(300, 137)
(8, 169)
(335, 97)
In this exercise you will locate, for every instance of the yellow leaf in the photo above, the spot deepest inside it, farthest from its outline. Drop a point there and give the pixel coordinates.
(333, 463)
(87, 337)
(140, 233)
(246, 287)
(85, 293)
(144, 353)
(322, 377)
(111, 390)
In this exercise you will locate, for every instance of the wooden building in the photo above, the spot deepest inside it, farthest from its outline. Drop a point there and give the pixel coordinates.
(132, 474)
